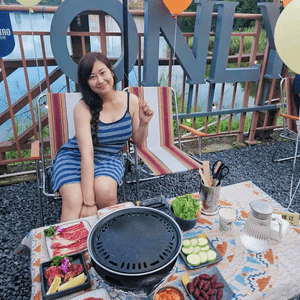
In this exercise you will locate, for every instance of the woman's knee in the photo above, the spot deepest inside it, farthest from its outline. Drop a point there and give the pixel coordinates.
(71, 197)
(105, 189)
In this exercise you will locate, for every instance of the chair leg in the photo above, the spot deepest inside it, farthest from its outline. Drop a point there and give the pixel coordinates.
(276, 150)
(137, 173)
(199, 147)
(123, 189)
(38, 179)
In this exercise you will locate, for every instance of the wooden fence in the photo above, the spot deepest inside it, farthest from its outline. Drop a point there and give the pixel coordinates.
(80, 41)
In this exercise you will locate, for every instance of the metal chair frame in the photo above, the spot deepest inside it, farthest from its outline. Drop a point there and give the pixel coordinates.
(287, 133)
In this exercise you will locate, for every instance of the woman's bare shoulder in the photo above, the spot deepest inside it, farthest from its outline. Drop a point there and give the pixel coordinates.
(133, 99)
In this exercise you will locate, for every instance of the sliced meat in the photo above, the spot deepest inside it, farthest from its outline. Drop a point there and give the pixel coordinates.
(70, 236)
(76, 247)
(59, 242)
(52, 270)
(74, 232)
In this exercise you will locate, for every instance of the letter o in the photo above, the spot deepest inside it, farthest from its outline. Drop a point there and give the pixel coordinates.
(64, 15)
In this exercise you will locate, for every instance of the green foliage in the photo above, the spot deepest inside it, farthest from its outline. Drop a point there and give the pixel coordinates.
(236, 40)
(249, 7)
(139, 5)
(188, 24)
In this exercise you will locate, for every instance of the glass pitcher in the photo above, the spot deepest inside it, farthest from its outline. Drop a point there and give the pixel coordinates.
(256, 233)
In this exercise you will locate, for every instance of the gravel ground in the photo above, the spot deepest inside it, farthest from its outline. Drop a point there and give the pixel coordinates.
(19, 205)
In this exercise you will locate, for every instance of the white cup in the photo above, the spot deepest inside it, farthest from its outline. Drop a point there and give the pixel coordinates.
(226, 218)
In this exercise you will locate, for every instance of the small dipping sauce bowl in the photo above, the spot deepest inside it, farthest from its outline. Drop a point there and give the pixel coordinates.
(168, 293)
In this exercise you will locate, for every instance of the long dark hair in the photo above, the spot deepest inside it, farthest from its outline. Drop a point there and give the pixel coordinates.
(93, 101)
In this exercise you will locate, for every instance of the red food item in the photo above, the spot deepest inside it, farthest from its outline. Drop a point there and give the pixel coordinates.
(217, 285)
(204, 295)
(213, 278)
(201, 283)
(71, 235)
(51, 278)
(204, 276)
(76, 247)
(219, 294)
(211, 291)
(52, 270)
(195, 281)
(69, 275)
(78, 269)
(73, 271)
(168, 294)
(206, 286)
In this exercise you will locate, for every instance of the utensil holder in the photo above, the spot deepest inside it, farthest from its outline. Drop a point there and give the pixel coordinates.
(209, 195)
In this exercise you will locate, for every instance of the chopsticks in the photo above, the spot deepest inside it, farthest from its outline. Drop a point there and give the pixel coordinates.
(205, 175)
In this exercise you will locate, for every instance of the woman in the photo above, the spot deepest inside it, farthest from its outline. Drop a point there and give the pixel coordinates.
(88, 168)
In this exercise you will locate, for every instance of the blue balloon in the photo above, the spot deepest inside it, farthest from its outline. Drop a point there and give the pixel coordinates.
(7, 41)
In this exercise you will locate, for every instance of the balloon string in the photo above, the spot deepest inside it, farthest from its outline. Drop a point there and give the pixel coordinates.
(175, 40)
(36, 60)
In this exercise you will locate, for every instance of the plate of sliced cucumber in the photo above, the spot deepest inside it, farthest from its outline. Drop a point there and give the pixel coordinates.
(197, 252)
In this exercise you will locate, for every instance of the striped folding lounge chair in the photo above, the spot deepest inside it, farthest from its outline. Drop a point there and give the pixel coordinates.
(289, 116)
(158, 152)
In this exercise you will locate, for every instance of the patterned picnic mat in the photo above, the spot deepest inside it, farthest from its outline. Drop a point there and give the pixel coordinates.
(269, 275)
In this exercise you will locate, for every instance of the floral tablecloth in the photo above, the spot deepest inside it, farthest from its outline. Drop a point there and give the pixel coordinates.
(270, 275)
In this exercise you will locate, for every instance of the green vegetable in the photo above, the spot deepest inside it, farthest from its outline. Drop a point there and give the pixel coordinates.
(55, 261)
(50, 231)
(185, 207)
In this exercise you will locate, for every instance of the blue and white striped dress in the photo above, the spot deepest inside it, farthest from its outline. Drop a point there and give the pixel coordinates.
(112, 137)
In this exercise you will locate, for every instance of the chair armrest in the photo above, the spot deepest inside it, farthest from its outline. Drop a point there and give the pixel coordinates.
(192, 130)
(294, 118)
(35, 150)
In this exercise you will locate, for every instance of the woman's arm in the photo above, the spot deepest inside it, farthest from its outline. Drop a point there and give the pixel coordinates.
(82, 118)
(141, 116)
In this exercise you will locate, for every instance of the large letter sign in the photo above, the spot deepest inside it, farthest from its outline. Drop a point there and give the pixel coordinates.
(270, 14)
(218, 72)
(7, 41)
(67, 11)
(159, 19)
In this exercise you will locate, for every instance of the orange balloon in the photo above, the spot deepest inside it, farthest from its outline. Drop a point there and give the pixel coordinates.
(177, 6)
(286, 2)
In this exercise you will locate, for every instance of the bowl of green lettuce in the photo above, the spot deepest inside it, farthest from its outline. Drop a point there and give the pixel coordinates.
(185, 211)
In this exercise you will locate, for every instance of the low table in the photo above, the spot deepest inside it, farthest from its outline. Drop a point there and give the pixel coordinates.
(270, 275)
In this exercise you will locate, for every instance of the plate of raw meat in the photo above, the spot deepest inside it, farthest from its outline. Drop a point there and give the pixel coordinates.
(68, 239)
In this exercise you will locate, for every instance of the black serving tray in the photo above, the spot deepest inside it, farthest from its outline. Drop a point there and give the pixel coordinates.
(77, 259)
(228, 294)
(211, 246)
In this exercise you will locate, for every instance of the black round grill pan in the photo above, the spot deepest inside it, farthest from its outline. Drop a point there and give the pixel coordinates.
(135, 241)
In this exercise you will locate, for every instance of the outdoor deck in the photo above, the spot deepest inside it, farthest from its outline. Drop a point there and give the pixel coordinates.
(19, 204)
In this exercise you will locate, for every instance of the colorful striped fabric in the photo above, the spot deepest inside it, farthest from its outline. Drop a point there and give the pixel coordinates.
(158, 151)
(60, 116)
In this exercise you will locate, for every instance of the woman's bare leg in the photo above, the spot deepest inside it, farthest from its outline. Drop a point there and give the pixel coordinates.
(105, 191)
(71, 201)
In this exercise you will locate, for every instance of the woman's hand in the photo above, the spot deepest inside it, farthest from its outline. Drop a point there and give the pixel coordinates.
(87, 211)
(145, 113)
